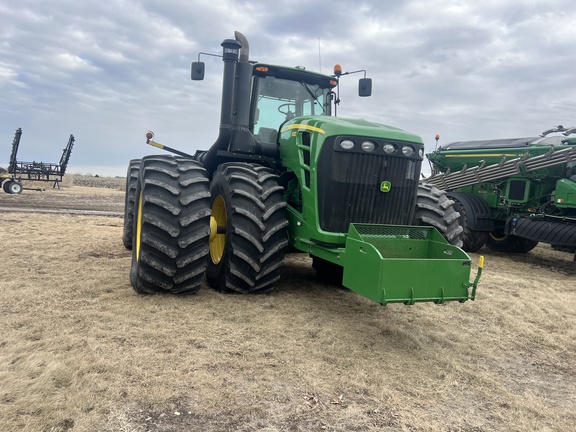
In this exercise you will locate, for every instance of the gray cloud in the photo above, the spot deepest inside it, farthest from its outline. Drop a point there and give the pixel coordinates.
(109, 71)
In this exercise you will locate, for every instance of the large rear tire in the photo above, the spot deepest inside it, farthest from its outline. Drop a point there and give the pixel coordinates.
(501, 242)
(130, 196)
(171, 226)
(247, 247)
(434, 208)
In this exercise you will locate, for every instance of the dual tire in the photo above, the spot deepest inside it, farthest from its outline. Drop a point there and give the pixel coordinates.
(171, 226)
(12, 187)
(131, 184)
(233, 229)
(249, 233)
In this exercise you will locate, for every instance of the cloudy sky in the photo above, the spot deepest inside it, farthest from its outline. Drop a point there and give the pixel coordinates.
(108, 71)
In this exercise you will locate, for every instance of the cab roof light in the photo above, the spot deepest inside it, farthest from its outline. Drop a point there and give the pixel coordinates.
(337, 70)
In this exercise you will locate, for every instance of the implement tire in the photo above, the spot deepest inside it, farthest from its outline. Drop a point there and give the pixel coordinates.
(171, 226)
(249, 210)
(6, 186)
(500, 242)
(434, 208)
(472, 240)
(130, 196)
(14, 187)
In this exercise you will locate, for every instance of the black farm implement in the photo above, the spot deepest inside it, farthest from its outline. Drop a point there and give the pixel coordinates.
(11, 180)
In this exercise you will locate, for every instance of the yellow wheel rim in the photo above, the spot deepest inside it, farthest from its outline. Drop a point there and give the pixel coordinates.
(498, 237)
(218, 219)
(138, 226)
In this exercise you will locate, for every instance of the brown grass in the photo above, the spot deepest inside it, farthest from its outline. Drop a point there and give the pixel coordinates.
(79, 350)
(70, 180)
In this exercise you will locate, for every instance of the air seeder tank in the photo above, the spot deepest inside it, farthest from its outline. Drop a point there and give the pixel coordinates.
(513, 193)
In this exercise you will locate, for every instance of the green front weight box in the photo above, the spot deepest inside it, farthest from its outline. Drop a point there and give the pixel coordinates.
(406, 264)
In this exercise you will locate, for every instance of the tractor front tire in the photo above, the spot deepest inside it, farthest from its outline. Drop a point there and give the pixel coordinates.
(171, 226)
(130, 197)
(434, 208)
(249, 229)
(500, 242)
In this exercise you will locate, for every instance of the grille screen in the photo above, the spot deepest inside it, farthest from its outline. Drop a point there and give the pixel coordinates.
(371, 231)
(349, 189)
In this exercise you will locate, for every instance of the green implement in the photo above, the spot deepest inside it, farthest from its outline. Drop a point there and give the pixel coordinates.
(406, 264)
(511, 193)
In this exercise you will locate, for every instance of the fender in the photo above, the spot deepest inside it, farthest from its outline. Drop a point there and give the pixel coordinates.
(477, 211)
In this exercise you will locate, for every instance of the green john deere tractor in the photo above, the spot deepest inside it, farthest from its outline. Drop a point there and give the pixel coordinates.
(286, 174)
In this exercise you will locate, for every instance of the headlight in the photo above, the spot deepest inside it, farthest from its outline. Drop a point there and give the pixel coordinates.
(421, 153)
(389, 148)
(347, 144)
(407, 150)
(368, 146)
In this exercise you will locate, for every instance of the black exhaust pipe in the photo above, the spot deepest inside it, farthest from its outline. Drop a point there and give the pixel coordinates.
(242, 140)
(230, 49)
(234, 132)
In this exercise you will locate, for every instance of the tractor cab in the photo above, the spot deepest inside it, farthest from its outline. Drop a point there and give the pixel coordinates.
(280, 94)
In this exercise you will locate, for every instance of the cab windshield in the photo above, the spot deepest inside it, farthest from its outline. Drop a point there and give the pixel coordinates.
(279, 100)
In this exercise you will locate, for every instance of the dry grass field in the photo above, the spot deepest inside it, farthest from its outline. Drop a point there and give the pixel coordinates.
(80, 351)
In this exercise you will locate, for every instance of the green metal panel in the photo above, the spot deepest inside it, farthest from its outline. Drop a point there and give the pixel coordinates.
(455, 160)
(302, 198)
(565, 194)
(405, 264)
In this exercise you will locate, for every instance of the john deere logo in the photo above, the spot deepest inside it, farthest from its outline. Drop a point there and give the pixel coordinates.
(385, 186)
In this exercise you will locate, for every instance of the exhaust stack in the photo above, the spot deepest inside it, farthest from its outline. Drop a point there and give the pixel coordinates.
(234, 132)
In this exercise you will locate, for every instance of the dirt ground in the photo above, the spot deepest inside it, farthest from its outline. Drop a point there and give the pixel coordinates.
(80, 351)
(76, 195)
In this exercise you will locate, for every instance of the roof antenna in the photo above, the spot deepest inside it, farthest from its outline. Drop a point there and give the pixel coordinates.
(319, 57)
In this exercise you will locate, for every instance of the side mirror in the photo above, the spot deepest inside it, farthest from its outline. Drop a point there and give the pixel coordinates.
(197, 71)
(365, 87)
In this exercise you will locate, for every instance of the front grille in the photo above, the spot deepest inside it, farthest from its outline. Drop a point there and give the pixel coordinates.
(349, 188)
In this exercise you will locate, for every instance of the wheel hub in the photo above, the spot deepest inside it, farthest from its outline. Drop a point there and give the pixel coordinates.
(217, 229)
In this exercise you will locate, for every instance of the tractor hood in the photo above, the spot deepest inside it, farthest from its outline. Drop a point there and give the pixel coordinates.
(332, 126)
